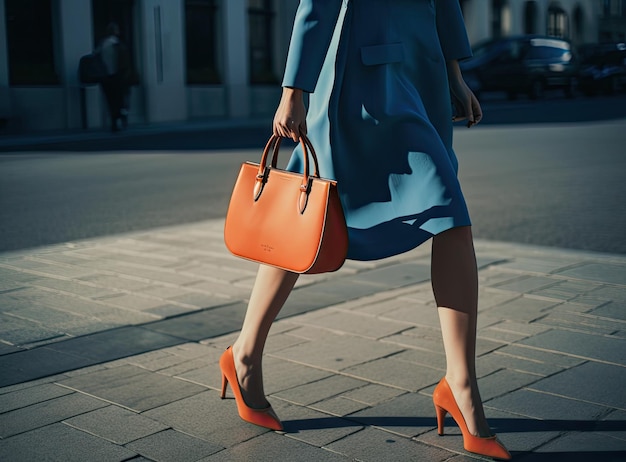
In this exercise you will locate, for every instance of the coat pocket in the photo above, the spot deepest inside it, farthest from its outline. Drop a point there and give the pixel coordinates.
(382, 54)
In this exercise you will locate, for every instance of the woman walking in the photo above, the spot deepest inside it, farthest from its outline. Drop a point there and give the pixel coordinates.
(382, 77)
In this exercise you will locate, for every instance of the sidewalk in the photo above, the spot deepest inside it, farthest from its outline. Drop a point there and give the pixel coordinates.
(109, 351)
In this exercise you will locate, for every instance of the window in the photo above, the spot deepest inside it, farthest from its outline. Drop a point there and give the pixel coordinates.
(614, 8)
(261, 18)
(201, 35)
(500, 18)
(30, 42)
(557, 22)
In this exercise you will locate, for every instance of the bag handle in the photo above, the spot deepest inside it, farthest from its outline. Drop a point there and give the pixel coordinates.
(263, 173)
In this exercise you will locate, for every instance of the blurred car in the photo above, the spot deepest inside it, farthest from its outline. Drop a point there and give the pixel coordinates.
(527, 64)
(602, 68)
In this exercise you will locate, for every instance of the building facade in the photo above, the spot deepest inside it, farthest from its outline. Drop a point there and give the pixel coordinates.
(581, 21)
(198, 59)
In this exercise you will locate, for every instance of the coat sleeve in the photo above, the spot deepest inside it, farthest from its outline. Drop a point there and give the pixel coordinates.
(451, 30)
(313, 29)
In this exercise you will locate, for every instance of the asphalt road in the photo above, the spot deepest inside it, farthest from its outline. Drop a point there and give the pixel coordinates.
(556, 183)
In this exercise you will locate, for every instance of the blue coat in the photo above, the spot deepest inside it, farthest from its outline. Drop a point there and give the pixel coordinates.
(380, 114)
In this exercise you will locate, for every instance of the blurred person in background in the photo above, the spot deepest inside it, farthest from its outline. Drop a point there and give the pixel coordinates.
(116, 84)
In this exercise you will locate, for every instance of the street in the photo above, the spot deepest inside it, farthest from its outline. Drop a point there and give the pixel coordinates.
(555, 184)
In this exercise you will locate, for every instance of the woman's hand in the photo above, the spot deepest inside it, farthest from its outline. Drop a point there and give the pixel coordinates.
(290, 117)
(465, 102)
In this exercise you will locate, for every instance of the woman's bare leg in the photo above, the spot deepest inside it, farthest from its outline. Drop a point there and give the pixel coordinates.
(271, 289)
(455, 286)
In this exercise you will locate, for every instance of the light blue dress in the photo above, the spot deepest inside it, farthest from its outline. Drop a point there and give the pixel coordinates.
(380, 115)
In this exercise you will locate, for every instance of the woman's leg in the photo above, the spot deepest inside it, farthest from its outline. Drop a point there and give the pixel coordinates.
(455, 286)
(271, 289)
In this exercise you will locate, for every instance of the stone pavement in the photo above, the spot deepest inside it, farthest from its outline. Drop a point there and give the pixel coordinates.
(109, 351)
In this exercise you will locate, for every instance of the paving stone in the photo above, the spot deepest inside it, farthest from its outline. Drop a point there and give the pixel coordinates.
(579, 415)
(169, 310)
(45, 413)
(148, 275)
(522, 309)
(557, 359)
(408, 415)
(504, 381)
(115, 343)
(609, 292)
(580, 322)
(489, 297)
(611, 310)
(201, 300)
(417, 315)
(57, 320)
(373, 394)
(528, 284)
(425, 338)
(221, 288)
(584, 447)
(61, 443)
(498, 335)
(32, 395)
(202, 324)
(6, 349)
(34, 364)
(581, 344)
(372, 445)
(117, 282)
(567, 290)
(277, 342)
(338, 406)
(602, 272)
(173, 446)
(537, 264)
(169, 358)
(391, 372)
(19, 331)
(493, 277)
(522, 328)
(133, 387)
(423, 358)
(613, 425)
(355, 323)
(133, 302)
(39, 268)
(280, 375)
(11, 274)
(398, 275)
(115, 424)
(337, 353)
(488, 364)
(73, 287)
(311, 426)
(271, 447)
(582, 383)
(207, 417)
(322, 389)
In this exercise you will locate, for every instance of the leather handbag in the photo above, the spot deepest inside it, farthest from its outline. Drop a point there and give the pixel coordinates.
(293, 221)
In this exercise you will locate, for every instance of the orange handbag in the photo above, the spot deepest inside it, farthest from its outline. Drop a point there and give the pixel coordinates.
(293, 221)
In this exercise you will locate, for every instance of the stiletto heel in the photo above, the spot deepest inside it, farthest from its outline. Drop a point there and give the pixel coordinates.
(441, 415)
(224, 386)
(263, 417)
(444, 402)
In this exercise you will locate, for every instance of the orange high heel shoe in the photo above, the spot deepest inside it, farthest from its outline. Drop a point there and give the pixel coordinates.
(445, 403)
(263, 417)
